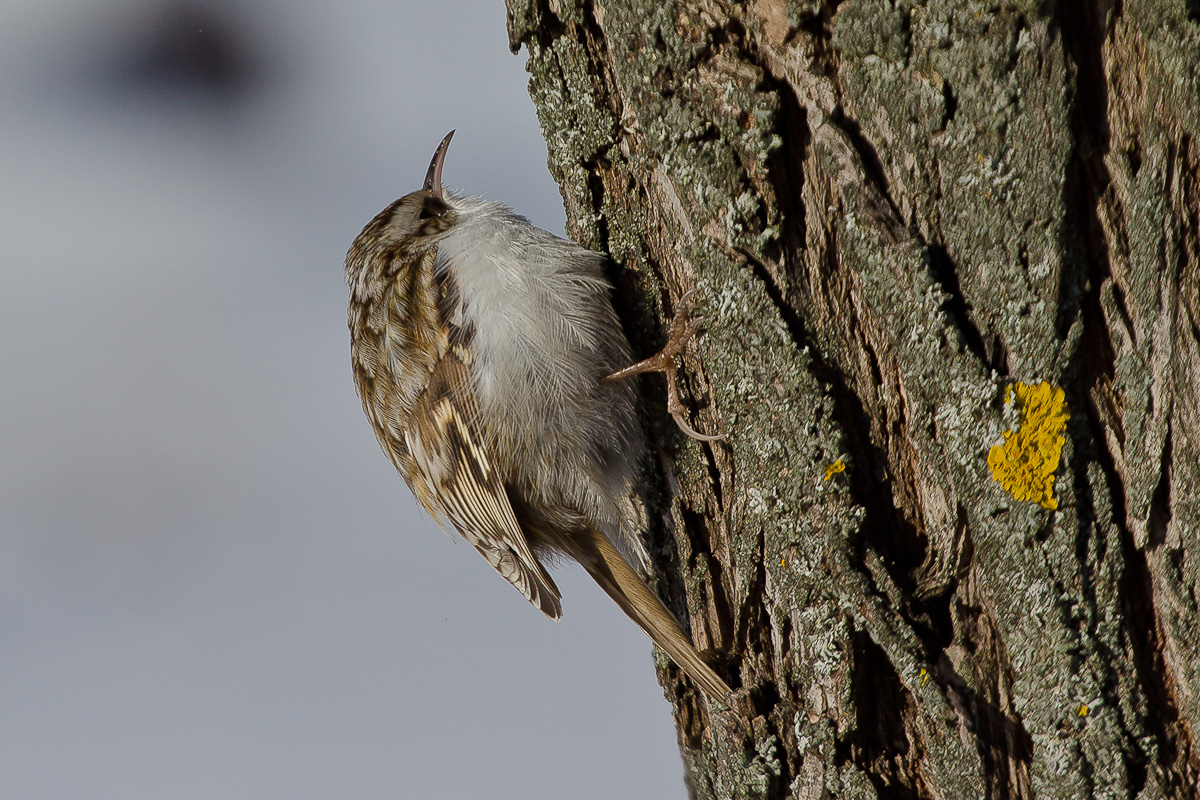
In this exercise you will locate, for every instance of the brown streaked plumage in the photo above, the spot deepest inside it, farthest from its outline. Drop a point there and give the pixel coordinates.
(480, 345)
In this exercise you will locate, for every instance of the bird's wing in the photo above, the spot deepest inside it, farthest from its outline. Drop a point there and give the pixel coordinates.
(461, 482)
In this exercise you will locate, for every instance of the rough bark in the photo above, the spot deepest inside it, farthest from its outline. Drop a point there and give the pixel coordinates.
(891, 212)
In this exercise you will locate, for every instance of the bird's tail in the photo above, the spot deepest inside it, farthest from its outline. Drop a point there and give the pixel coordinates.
(621, 582)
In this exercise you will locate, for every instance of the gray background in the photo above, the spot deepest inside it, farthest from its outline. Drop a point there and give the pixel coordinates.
(212, 583)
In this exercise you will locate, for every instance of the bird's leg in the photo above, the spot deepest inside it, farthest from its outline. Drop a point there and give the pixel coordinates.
(682, 329)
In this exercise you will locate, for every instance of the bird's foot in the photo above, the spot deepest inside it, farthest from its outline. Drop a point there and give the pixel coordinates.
(683, 328)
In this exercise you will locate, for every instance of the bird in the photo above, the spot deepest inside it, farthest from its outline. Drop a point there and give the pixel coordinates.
(491, 365)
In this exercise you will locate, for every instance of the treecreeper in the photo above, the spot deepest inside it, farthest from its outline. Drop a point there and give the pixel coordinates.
(490, 363)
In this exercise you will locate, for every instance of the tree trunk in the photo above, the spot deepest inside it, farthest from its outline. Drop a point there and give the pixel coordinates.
(910, 225)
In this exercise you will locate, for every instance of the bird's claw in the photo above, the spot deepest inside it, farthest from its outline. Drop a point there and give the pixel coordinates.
(683, 327)
(693, 433)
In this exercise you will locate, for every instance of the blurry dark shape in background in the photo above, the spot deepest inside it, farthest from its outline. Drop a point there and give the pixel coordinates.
(192, 46)
(179, 50)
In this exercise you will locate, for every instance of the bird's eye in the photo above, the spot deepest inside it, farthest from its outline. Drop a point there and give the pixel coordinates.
(433, 207)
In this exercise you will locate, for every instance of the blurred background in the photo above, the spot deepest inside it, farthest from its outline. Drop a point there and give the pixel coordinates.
(212, 583)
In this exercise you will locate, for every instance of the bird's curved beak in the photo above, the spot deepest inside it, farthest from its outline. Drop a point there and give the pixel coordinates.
(433, 178)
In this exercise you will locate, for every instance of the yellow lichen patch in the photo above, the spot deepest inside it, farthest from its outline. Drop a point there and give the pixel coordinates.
(1024, 465)
(835, 468)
